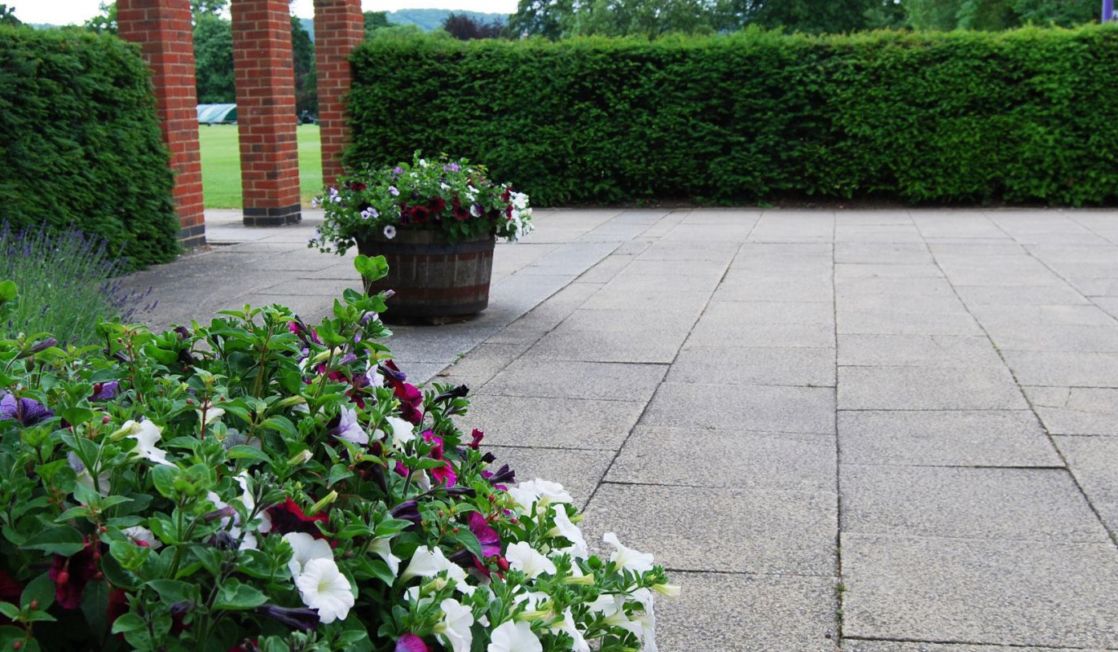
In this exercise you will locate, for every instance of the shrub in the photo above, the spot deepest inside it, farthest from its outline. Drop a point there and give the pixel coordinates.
(1021, 116)
(453, 197)
(80, 145)
(259, 484)
(67, 284)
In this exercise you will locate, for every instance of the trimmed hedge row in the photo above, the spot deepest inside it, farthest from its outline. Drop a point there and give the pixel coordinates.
(80, 144)
(1023, 116)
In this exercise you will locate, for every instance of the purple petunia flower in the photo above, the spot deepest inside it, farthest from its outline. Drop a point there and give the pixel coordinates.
(397, 170)
(105, 391)
(411, 643)
(299, 618)
(451, 167)
(393, 191)
(27, 411)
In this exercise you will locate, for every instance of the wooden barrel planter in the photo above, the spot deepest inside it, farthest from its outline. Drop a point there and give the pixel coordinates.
(433, 280)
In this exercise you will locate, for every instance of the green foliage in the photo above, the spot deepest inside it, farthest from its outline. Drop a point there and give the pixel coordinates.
(66, 283)
(213, 60)
(8, 15)
(80, 144)
(105, 21)
(1022, 116)
(302, 54)
(375, 20)
(993, 15)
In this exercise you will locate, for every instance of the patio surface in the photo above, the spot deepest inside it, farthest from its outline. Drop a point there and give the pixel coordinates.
(880, 431)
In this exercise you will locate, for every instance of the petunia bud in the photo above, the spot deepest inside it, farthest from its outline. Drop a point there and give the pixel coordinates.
(670, 590)
(300, 458)
(326, 501)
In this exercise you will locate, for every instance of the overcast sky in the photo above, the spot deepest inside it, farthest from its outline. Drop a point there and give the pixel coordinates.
(63, 12)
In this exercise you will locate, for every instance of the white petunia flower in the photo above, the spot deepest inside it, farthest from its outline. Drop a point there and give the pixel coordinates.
(514, 637)
(349, 429)
(542, 491)
(147, 435)
(389, 231)
(455, 627)
(568, 625)
(142, 536)
(324, 589)
(646, 621)
(402, 431)
(304, 548)
(383, 548)
(571, 532)
(519, 200)
(429, 562)
(627, 558)
(522, 557)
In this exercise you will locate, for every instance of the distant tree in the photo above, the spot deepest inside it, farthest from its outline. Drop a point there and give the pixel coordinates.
(207, 7)
(996, 14)
(8, 15)
(548, 18)
(465, 28)
(813, 16)
(1056, 12)
(375, 20)
(105, 21)
(302, 53)
(213, 59)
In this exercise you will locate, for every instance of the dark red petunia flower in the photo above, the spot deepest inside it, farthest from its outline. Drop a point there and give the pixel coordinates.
(71, 574)
(475, 437)
(289, 517)
(420, 214)
(437, 205)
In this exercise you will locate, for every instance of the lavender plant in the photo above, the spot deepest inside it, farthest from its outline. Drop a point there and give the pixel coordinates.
(68, 284)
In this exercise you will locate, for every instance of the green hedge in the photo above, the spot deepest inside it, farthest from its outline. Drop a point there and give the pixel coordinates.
(1023, 116)
(80, 144)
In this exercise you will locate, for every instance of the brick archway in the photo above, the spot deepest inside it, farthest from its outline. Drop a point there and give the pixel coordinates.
(265, 86)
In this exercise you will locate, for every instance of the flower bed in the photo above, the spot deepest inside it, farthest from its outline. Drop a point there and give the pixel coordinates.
(261, 484)
(453, 198)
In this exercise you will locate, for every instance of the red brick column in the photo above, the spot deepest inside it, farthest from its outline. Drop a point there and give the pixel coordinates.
(163, 30)
(265, 83)
(339, 26)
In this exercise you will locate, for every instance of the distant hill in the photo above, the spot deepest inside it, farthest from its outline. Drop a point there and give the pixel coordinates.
(431, 19)
(427, 20)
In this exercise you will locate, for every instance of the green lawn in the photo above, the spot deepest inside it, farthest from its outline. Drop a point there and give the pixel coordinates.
(221, 164)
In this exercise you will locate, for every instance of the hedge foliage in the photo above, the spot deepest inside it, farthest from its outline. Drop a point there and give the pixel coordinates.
(80, 145)
(1024, 116)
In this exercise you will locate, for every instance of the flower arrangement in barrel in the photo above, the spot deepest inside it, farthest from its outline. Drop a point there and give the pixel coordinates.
(453, 197)
(263, 484)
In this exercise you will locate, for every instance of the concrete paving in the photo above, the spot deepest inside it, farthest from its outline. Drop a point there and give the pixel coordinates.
(873, 430)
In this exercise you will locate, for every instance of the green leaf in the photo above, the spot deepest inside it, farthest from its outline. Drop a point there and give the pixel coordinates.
(242, 452)
(235, 596)
(282, 425)
(9, 610)
(128, 622)
(77, 415)
(338, 472)
(40, 590)
(164, 478)
(371, 268)
(63, 540)
(8, 291)
(172, 591)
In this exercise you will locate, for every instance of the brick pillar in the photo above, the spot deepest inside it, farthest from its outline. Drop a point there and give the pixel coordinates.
(265, 83)
(339, 26)
(163, 30)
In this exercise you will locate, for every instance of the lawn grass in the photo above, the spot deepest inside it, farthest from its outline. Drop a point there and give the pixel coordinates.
(221, 164)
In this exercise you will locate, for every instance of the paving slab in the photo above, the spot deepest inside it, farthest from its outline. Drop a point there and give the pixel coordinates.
(640, 346)
(868, 350)
(980, 591)
(725, 458)
(945, 438)
(1076, 410)
(552, 422)
(723, 530)
(1043, 505)
(928, 388)
(566, 379)
(747, 407)
(854, 645)
(717, 331)
(1063, 369)
(746, 613)
(1094, 463)
(796, 366)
